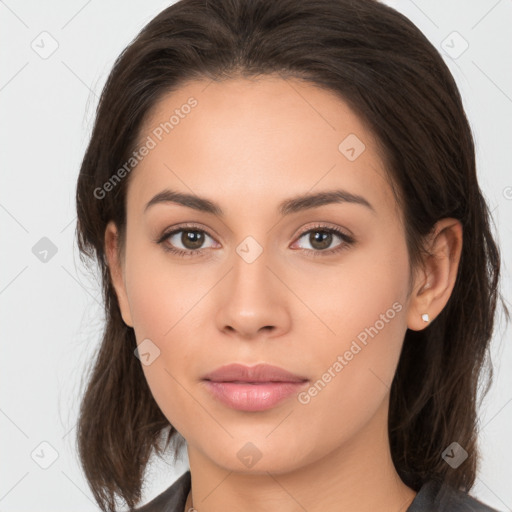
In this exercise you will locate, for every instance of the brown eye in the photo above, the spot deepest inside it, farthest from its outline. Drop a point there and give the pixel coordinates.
(184, 241)
(192, 239)
(321, 238)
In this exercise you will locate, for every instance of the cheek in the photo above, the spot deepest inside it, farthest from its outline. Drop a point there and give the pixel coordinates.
(161, 292)
(350, 296)
(165, 302)
(363, 303)
(354, 374)
(162, 314)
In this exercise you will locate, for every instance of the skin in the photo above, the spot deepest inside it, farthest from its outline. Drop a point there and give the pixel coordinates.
(248, 145)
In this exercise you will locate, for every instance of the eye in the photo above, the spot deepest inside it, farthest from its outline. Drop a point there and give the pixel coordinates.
(187, 241)
(184, 241)
(321, 238)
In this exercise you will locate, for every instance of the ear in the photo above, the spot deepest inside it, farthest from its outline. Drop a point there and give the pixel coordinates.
(434, 282)
(116, 269)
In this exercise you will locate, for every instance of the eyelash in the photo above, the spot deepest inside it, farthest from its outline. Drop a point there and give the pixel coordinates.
(347, 241)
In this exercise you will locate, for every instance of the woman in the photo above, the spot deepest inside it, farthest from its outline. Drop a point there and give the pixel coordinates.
(298, 269)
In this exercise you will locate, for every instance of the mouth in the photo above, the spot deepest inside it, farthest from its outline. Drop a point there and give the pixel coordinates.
(255, 388)
(258, 373)
(253, 396)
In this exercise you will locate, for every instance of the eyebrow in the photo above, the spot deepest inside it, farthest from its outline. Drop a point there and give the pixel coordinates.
(287, 207)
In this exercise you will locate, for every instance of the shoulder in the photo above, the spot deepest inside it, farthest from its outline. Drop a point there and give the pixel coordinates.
(433, 496)
(436, 496)
(173, 499)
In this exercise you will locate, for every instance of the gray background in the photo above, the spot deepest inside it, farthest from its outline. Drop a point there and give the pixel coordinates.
(51, 313)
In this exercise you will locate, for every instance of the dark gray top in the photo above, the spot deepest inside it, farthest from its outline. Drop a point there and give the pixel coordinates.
(432, 497)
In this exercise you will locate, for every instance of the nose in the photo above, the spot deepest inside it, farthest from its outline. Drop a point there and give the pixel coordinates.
(253, 301)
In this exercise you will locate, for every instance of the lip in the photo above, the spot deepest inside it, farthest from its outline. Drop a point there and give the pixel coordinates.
(257, 373)
(252, 388)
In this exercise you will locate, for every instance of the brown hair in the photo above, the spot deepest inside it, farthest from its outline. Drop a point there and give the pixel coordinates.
(377, 61)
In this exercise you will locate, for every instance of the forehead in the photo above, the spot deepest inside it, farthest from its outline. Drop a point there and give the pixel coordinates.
(265, 139)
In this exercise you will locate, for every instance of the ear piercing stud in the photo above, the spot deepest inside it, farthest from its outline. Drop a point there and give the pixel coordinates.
(425, 317)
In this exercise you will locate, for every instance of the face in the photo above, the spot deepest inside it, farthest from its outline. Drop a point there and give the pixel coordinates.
(318, 288)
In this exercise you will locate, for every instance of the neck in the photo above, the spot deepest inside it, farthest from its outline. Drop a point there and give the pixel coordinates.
(358, 476)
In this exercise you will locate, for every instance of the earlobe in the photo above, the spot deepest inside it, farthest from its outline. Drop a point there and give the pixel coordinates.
(435, 281)
(116, 271)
